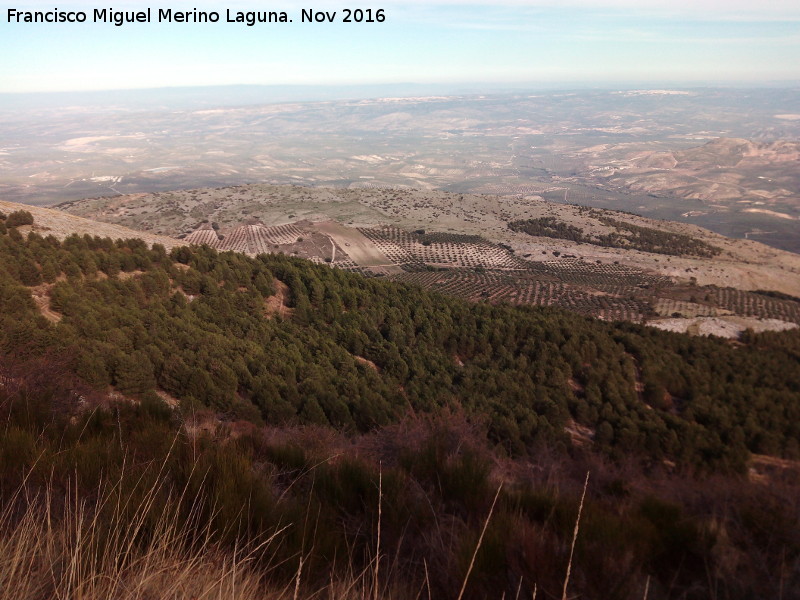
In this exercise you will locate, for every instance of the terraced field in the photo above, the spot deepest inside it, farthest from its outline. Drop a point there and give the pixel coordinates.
(530, 288)
(257, 238)
(471, 267)
(441, 249)
(204, 235)
(669, 307)
(756, 305)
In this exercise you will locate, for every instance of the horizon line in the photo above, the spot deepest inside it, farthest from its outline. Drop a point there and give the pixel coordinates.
(489, 85)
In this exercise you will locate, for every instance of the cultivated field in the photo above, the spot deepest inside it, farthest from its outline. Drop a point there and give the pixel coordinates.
(357, 246)
(471, 267)
(741, 264)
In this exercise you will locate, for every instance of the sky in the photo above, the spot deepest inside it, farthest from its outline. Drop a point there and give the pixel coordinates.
(537, 42)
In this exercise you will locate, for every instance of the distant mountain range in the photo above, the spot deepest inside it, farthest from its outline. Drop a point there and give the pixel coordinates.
(665, 153)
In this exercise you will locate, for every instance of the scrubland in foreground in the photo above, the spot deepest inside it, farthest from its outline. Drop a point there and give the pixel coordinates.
(135, 500)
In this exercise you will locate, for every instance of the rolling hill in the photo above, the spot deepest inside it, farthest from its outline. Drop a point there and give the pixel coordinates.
(610, 265)
(324, 422)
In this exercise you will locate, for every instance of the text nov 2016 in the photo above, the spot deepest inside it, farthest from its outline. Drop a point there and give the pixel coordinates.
(168, 15)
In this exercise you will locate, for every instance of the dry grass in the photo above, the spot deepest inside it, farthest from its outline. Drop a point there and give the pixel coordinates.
(480, 541)
(62, 546)
(575, 537)
(73, 549)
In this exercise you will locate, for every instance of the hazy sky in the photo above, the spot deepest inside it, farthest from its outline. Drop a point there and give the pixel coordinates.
(539, 41)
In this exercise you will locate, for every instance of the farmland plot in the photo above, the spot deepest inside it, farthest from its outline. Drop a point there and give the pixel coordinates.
(756, 305)
(442, 249)
(470, 267)
(521, 289)
(360, 249)
(207, 236)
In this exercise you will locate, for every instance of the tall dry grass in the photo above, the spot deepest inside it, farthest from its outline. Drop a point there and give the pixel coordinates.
(59, 546)
(64, 547)
(410, 512)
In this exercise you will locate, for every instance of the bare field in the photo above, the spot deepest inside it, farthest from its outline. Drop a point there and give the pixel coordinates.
(357, 246)
(729, 327)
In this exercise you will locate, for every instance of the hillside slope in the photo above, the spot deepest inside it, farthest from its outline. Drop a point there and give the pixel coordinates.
(320, 419)
(742, 264)
(61, 225)
(356, 353)
(606, 264)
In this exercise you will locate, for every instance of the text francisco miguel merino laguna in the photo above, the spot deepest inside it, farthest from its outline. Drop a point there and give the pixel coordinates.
(168, 15)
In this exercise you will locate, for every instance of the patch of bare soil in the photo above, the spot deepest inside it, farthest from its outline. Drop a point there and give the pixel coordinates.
(277, 304)
(765, 469)
(125, 275)
(729, 327)
(41, 296)
(576, 386)
(169, 400)
(357, 246)
(367, 362)
(579, 434)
